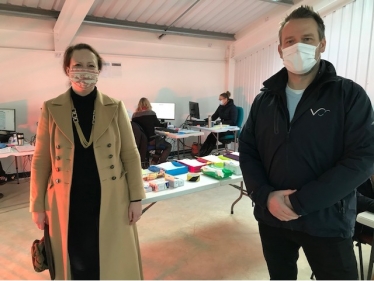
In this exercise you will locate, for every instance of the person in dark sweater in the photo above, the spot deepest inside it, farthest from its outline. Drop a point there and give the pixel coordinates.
(86, 177)
(307, 145)
(147, 119)
(228, 113)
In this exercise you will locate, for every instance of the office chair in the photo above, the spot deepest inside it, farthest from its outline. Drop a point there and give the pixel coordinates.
(362, 238)
(230, 138)
(146, 150)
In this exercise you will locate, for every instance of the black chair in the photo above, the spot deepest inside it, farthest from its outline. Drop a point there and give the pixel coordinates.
(362, 238)
(146, 150)
(141, 143)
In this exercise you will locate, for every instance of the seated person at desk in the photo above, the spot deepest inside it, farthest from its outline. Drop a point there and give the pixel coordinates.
(228, 113)
(147, 119)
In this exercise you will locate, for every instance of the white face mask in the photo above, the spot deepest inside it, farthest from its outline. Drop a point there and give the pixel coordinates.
(84, 78)
(299, 58)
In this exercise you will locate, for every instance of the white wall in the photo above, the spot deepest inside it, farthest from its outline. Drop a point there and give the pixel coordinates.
(350, 47)
(174, 69)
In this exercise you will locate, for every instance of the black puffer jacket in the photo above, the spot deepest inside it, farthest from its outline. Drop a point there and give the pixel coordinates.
(228, 113)
(325, 152)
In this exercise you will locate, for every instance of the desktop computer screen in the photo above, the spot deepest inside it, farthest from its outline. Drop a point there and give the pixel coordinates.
(7, 120)
(164, 111)
(194, 110)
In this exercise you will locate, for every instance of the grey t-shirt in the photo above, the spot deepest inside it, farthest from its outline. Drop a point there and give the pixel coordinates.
(293, 98)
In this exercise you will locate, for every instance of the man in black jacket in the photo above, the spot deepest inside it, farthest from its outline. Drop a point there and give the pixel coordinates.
(307, 144)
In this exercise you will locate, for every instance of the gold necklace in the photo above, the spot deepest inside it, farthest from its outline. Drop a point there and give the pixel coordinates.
(82, 138)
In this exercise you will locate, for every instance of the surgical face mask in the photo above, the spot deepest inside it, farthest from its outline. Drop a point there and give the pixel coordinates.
(83, 78)
(222, 102)
(299, 58)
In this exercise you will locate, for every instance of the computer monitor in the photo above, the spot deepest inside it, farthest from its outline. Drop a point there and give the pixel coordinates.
(164, 111)
(194, 110)
(7, 120)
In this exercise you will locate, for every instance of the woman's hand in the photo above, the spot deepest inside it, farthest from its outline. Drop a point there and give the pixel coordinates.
(40, 219)
(135, 211)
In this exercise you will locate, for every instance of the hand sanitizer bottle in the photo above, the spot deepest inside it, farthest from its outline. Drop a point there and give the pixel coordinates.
(209, 121)
(14, 141)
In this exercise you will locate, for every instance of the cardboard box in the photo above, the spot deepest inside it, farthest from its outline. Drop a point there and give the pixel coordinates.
(174, 181)
(159, 185)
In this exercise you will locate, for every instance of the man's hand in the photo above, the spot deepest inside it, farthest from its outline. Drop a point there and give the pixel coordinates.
(135, 211)
(279, 207)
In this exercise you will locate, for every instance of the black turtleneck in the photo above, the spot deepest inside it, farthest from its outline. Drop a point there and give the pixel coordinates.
(86, 189)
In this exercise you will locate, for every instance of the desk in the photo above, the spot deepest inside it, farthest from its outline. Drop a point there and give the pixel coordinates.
(218, 129)
(179, 137)
(14, 152)
(205, 183)
(367, 218)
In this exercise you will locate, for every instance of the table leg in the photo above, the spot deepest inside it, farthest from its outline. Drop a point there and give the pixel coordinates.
(371, 261)
(183, 148)
(178, 148)
(199, 143)
(235, 139)
(242, 192)
(15, 157)
(217, 140)
(149, 206)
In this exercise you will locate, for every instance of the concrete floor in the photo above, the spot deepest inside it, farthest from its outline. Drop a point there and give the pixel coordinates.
(190, 237)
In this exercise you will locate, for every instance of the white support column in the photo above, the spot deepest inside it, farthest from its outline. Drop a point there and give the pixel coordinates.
(70, 19)
(230, 68)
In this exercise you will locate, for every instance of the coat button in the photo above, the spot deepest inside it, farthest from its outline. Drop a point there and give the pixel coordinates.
(109, 145)
(112, 166)
(57, 181)
(58, 158)
(57, 169)
(113, 178)
(58, 146)
(110, 156)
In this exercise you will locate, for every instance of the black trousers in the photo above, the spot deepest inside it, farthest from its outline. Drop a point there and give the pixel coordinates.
(330, 258)
(83, 247)
(211, 142)
(162, 145)
(83, 231)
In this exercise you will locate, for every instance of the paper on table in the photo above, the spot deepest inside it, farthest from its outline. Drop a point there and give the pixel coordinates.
(212, 158)
(191, 162)
(25, 148)
(6, 150)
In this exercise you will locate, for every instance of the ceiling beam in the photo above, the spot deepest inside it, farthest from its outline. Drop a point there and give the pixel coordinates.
(36, 12)
(69, 20)
(282, 2)
(159, 28)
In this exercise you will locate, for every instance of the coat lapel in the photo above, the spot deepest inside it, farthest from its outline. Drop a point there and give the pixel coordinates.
(61, 113)
(105, 109)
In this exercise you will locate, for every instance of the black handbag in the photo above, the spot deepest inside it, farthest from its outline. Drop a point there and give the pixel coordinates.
(41, 254)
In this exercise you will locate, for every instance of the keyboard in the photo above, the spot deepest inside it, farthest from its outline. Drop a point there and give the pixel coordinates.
(174, 131)
(195, 119)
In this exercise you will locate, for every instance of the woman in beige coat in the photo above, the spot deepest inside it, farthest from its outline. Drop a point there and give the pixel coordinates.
(86, 177)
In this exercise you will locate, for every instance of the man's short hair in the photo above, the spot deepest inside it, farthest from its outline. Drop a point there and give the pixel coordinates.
(304, 12)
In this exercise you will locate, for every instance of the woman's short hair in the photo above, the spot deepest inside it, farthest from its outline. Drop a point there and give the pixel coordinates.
(226, 95)
(81, 46)
(143, 104)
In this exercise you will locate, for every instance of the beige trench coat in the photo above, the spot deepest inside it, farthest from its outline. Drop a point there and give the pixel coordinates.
(119, 168)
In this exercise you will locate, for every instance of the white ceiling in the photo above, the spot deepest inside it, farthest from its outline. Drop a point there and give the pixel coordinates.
(223, 16)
